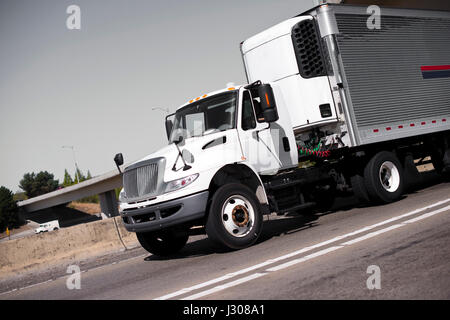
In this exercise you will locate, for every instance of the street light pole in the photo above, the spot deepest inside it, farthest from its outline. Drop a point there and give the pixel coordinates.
(166, 110)
(75, 161)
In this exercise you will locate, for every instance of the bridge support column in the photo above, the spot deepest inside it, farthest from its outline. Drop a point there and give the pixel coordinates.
(108, 203)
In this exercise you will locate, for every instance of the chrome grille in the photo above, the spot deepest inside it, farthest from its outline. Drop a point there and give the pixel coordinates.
(141, 181)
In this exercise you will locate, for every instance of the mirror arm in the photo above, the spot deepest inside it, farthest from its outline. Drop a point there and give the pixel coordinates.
(260, 130)
(180, 155)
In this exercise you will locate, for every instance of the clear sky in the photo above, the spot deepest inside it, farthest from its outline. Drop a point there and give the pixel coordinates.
(94, 88)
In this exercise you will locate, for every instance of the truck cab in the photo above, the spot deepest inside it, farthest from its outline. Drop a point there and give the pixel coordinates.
(227, 137)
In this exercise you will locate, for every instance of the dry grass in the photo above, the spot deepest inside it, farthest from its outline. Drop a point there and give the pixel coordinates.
(89, 208)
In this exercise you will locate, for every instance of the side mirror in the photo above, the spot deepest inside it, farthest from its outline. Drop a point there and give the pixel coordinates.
(169, 127)
(268, 105)
(118, 159)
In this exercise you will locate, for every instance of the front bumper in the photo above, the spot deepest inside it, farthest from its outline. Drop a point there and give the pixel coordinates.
(166, 214)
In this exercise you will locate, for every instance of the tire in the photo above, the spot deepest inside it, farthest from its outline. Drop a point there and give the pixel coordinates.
(440, 165)
(359, 188)
(437, 161)
(235, 219)
(54, 229)
(162, 243)
(325, 198)
(383, 178)
(410, 173)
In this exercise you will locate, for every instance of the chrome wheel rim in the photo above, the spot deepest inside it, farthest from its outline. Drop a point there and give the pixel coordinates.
(238, 216)
(389, 176)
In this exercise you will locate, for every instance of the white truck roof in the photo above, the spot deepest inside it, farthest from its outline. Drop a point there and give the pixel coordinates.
(267, 35)
(209, 94)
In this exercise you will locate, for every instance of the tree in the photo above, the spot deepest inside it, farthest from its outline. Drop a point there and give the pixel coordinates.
(9, 213)
(67, 179)
(38, 184)
(79, 176)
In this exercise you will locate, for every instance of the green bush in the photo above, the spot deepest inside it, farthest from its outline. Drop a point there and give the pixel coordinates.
(9, 212)
(38, 184)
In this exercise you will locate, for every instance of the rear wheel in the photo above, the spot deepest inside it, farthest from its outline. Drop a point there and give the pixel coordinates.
(162, 243)
(325, 196)
(235, 219)
(441, 162)
(383, 178)
(437, 160)
(359, 188)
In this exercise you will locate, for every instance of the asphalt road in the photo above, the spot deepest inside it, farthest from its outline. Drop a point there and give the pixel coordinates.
(322, 256)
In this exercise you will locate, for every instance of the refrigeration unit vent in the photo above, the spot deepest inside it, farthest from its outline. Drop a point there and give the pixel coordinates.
(308, 50)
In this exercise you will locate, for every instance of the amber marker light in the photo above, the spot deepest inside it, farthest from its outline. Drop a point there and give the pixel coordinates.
(267, 100)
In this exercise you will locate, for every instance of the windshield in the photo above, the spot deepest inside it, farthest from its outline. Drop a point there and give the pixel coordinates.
(205, 116)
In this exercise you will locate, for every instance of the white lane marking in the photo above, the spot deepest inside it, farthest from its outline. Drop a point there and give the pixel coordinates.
(427, 215)
(10, 291)
(213, 281)
(34, 285)
(303, 259)
(66, 276)
(26, 287)
(372, 234)
(225, 286)
(303, 250)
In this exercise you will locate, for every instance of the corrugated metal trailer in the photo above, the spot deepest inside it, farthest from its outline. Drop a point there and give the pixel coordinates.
(397, 78)
(386, 72)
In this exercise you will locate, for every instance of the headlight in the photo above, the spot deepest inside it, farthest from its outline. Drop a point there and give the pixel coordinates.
(122, 195)
(180, 183)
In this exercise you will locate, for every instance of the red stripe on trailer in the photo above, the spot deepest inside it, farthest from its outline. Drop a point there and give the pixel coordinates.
(411, 125)
(435, 68)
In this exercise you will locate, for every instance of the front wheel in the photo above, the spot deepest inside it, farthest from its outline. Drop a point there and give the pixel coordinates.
(162, 243)
(235, 219)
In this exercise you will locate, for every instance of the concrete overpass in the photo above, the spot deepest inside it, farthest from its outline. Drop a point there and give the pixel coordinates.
(103, 185)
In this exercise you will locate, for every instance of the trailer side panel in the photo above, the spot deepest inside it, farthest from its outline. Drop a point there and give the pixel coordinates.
(398, 76)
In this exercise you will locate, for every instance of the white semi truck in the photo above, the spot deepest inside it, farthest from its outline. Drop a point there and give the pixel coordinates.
(331, 105)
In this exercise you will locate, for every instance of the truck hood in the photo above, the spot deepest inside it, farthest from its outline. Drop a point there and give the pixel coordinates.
(201, 153)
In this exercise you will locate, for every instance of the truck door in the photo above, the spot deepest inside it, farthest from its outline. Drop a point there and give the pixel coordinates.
(256, 140)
